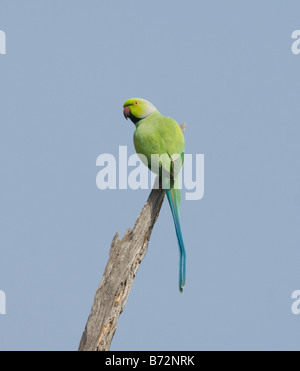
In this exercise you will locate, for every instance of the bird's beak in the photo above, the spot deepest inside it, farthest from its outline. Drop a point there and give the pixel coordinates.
(126, 112)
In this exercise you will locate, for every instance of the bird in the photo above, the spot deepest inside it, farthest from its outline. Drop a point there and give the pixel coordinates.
(160, 144)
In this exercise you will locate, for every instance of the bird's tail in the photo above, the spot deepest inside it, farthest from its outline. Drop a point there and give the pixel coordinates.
(173, 196)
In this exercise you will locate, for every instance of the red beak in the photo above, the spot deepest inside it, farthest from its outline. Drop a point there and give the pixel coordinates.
(126, 112)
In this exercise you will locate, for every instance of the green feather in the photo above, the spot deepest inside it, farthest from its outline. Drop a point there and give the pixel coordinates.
(162, 137)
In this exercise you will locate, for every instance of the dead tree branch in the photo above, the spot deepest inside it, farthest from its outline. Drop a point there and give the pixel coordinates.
(124, 260)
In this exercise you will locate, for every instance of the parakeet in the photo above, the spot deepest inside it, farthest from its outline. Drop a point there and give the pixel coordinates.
(161, 142)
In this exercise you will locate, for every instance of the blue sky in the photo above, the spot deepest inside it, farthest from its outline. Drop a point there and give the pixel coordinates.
(224, 68)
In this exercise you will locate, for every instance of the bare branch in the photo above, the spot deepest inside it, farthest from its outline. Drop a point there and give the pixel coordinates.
(124, 260)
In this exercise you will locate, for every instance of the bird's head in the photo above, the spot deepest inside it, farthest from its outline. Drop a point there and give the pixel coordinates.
(136, 109)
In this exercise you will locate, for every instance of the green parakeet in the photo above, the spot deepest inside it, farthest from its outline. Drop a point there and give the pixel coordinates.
(161, 142)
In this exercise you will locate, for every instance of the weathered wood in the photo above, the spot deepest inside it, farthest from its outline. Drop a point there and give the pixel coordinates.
(124, 260)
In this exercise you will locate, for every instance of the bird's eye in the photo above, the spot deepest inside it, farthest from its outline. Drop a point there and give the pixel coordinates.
(136, 103)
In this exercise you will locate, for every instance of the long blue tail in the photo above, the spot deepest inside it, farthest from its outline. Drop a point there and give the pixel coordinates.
(173, 196)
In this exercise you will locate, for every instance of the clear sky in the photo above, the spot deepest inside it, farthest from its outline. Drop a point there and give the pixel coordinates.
(227, 70)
